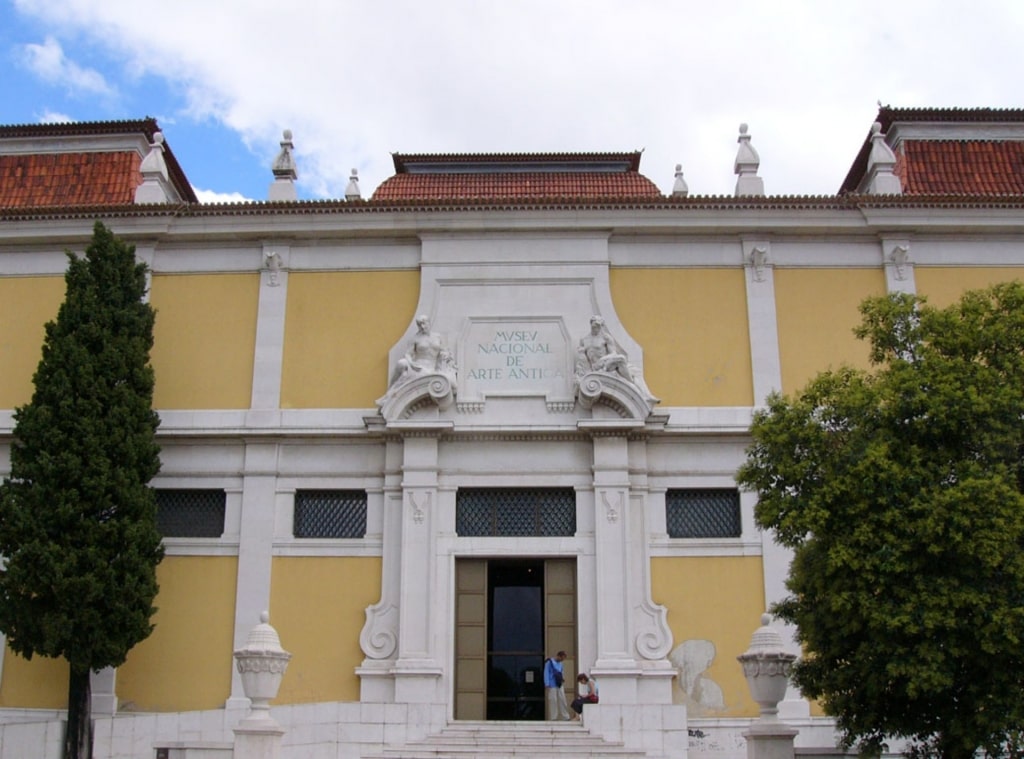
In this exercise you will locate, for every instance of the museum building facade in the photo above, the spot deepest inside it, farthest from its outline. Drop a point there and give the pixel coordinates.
(490, 412)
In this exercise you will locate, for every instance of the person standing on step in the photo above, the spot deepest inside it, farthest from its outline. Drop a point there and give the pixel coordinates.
(554, 694)
(587, 687)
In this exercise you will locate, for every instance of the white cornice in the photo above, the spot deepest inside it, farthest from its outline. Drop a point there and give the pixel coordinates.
(168, 227)
(943, 130)
(106, 143)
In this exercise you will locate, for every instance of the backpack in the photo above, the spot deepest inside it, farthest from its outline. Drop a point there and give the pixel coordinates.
(556, 675)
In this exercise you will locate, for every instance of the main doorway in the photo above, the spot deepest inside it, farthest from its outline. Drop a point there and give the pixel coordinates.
(510, 614)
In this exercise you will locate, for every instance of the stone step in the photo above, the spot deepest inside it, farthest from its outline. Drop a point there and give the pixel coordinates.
(510, 740)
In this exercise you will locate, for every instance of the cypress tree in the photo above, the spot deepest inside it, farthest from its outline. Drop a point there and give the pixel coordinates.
(77, 517)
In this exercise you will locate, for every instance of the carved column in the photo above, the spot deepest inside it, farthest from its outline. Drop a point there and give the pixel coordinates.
(418, 670)
(632, 634)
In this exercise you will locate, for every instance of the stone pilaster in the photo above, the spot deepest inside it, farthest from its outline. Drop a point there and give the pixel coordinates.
(632, 633)
(761, 318)
(418, 667)
(268, 359)
(103, 687)
(255, 547)
(767, 377)
(379, 636)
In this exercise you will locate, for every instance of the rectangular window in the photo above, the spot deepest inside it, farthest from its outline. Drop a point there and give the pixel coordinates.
(515, 512)
(330, 514)
(190, 513)
(703, 513)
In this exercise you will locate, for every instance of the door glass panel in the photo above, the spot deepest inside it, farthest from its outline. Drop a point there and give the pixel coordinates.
(515, 688)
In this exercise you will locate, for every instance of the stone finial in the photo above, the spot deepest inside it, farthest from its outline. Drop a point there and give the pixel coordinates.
(262, 663)
(284, 164)
(352, 191)
(285, 173)
(679, 189)
(746, 166)
(156, 184)
(881, 178)
(766, 666)
(154, 162)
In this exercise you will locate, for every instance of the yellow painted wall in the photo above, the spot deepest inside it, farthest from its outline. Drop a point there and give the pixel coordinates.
(204, 340)
(339, 327)
(186, 663)
(38, 684)
(318, 606)
(26, 304)
(817, 310)
(692, 326)
(943, 285)
(715, 598)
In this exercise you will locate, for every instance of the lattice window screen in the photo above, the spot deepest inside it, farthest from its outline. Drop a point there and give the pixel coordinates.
(190, 513)
(330, 514)
(515, 512)
(703, 513)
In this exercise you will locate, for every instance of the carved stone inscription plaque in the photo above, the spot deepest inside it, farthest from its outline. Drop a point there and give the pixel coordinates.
(515, 357)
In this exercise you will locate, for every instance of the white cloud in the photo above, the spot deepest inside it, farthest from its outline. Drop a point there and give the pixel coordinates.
(210, 196)
(54, 117)
(48, 62)
(355, 81)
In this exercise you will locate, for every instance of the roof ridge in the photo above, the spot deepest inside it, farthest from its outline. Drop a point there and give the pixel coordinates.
(146, 125)
(631, 159)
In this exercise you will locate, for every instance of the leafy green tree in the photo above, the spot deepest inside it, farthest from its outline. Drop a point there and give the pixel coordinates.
(899, 491)
(77, 518)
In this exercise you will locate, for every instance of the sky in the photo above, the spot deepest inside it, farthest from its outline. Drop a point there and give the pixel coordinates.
(358, 80)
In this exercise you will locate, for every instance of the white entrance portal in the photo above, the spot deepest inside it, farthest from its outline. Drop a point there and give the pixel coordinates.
(509, 615)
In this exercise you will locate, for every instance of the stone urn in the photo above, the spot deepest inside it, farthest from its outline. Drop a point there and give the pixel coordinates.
(262, 663)
(766, 666)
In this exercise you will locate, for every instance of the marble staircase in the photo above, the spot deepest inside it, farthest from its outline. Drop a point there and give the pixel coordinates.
(504, 740)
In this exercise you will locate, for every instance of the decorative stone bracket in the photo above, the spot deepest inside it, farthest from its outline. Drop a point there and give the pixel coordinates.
(622, 396)
(403, 401)
(379, 637)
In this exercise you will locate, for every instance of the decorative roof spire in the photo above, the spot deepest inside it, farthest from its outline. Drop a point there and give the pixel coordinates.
(352, 191)
(679, 189)
(746, 165)
(156, 184)
(881, 178)
(283, 186)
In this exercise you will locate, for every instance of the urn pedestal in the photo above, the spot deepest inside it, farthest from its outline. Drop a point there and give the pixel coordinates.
(261, 664)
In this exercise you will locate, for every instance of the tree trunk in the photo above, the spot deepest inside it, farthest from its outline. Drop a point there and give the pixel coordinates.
(78, 735)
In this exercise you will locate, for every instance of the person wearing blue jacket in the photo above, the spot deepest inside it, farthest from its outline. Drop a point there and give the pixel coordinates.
(554, 695)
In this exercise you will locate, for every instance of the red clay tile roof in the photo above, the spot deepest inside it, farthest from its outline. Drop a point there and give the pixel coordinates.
(591, 176)
(68, 179)
(958, 167)
(80, 177)
(964, 166)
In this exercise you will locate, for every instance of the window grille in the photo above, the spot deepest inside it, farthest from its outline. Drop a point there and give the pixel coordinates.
(190, 513)
(526, 512)
(330, 514)
(703, 513)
